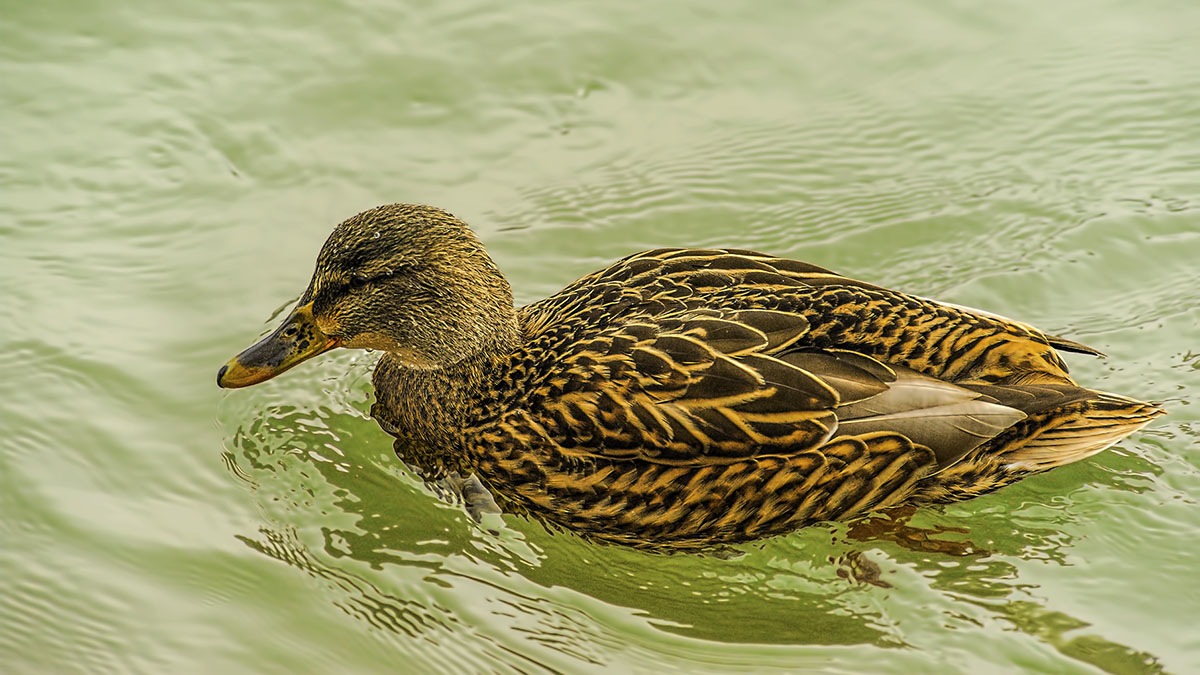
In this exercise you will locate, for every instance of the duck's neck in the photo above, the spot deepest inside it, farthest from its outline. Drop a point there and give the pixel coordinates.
(434, 405)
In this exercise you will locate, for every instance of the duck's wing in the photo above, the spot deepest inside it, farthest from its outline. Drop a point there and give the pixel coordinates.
(685, 389)
(703, 386)
(688, 355)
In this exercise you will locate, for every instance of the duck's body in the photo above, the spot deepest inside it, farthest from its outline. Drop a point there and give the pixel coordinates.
(684, 398)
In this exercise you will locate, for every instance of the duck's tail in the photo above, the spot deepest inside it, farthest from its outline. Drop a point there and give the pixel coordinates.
(1063, 424)
(1078, 431)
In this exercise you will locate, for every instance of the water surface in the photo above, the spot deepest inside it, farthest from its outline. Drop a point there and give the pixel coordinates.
(171, 168)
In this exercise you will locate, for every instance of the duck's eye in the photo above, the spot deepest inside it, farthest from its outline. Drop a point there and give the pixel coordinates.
(358, 280)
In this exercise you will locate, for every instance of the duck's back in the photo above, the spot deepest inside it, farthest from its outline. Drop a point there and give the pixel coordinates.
(945, 341)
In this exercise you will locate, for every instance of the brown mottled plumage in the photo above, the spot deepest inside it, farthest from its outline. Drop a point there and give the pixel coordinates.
(683, 398)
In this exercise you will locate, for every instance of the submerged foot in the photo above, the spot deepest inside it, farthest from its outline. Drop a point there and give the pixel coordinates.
(856, 567)
(469, 491)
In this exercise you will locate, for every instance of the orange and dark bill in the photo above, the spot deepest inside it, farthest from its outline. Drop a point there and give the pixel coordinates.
(297, 339)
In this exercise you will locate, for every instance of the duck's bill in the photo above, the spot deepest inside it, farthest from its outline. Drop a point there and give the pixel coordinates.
(297, 339)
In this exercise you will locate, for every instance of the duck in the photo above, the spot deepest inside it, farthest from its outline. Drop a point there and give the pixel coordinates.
(681, 399)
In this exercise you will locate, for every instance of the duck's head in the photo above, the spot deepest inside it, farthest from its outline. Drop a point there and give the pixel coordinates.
(408, 279)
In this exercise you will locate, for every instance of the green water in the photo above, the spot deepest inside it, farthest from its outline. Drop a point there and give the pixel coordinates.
(171, 168)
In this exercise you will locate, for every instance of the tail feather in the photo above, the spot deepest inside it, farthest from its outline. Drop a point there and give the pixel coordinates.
(1063, 344)
(1096, 424)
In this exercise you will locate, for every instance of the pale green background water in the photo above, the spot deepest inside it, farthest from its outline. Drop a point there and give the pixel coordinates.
(170, 169)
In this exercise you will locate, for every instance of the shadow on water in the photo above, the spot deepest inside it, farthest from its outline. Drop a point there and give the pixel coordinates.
(340, 507)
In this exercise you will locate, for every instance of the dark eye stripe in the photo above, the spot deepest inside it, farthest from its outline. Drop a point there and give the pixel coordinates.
(360, 280)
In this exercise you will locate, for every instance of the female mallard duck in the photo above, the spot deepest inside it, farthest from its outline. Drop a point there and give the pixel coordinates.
(681, 398)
